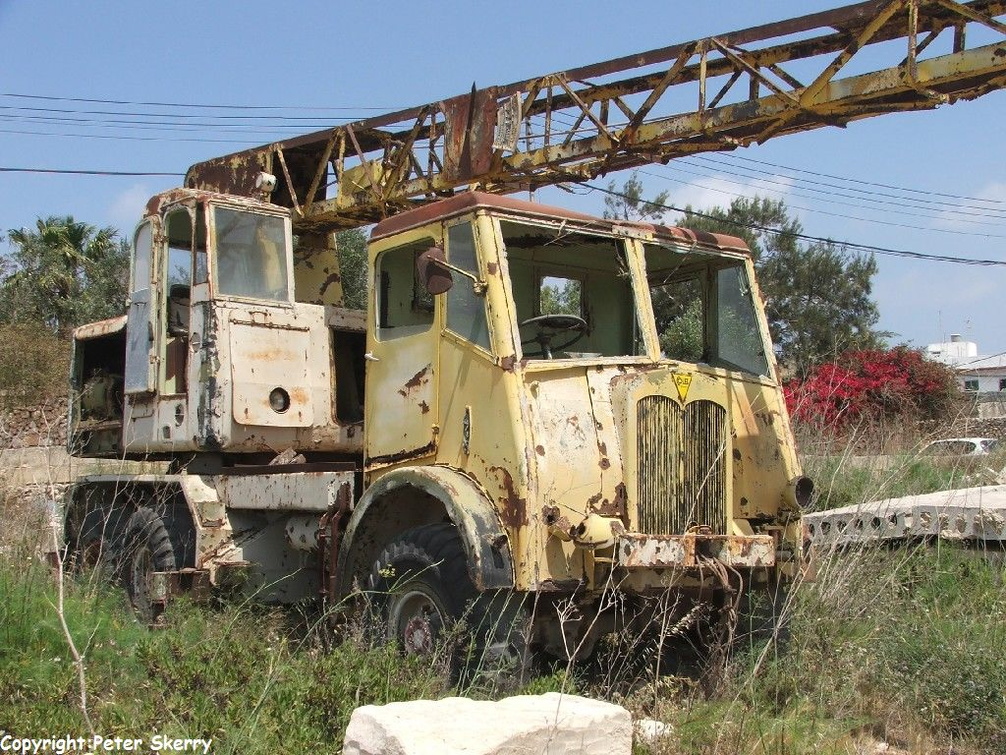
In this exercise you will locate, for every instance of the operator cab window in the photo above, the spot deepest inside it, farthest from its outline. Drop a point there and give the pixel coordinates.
(573, 293)
(466, 310)
(251, 251)
(404, 306)
(704, 309)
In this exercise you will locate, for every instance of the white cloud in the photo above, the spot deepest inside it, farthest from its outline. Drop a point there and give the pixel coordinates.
(127, 208)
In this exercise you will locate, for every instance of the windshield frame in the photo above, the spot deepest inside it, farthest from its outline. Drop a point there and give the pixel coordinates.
(643, 331)
(712, 264)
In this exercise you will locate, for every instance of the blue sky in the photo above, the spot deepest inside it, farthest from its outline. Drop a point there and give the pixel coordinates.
(328, 61)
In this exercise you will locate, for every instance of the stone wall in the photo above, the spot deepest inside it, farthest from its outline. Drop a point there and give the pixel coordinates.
(43, 425)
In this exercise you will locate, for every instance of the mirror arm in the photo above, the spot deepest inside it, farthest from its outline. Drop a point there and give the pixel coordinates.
(479, 286)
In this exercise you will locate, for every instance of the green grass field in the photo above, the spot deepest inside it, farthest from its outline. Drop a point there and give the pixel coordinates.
(902, 648)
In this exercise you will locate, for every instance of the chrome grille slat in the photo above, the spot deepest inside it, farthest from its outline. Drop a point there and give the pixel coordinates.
(681, 457)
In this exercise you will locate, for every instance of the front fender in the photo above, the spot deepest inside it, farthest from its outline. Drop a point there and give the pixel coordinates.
(490, 562)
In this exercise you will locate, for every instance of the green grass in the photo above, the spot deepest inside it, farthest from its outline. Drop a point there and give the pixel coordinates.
(842, 480)
(903, 646)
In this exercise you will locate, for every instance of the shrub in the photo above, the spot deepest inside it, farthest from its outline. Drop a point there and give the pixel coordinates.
(873, 385)
(34, 364)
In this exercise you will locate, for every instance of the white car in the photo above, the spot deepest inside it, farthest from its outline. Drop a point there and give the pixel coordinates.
(961, 447)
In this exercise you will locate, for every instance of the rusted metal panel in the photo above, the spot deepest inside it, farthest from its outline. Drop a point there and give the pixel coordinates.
(100, 329)
(688, 551)
(470, 121)
(270, 356)
(288, 491)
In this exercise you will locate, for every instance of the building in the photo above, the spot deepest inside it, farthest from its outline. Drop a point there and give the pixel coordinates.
(981, 375)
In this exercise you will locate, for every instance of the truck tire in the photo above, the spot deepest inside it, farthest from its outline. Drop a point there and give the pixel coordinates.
(420, 586)
(425, 602)
(145, 548)
(88, 547)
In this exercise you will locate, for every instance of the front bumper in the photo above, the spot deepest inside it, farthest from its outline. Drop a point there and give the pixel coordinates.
(634, 551)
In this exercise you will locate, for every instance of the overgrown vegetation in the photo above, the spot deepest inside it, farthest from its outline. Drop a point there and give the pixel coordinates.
(888, 647)
(63, 273)
(34, 364)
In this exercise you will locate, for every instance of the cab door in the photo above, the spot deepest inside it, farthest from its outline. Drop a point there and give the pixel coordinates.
(141, 322)
(402, 360)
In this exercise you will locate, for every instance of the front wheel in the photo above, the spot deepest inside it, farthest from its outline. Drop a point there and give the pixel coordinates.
(420, 586)
(427, 603)
(146, 549)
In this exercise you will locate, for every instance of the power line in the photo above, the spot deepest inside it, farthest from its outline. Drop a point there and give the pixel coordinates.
(51, 98)
(898, 201)
(868, 248)
(869, 183)
(817, 211)
(86, 172)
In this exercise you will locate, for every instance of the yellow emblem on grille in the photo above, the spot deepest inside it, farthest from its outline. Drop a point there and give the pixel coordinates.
(682, 382)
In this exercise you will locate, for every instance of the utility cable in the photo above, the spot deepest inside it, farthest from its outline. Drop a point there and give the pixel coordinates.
(868, 248)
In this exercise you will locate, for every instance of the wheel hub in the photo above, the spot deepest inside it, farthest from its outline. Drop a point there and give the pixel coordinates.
(418, 635)
(417, 620)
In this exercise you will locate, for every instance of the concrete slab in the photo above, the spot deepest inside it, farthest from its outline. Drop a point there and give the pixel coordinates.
(977, 513)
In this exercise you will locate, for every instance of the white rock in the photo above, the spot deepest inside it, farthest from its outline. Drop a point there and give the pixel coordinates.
(547, 724)
(650, 731)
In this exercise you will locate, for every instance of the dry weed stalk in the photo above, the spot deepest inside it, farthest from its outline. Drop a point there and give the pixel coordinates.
(78, 659)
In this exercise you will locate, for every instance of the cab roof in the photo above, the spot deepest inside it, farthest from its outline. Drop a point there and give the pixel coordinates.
(472, 200)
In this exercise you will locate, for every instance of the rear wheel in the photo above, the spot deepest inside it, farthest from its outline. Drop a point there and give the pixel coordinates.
(145, 549)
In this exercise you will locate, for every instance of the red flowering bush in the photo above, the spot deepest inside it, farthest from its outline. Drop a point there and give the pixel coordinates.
(871, 385)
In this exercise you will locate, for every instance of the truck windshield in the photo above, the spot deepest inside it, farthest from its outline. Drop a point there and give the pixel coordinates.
(573, 292)
(251, 258)
(703, 308)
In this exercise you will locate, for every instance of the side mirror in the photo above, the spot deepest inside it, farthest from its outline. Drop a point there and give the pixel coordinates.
(433, 271)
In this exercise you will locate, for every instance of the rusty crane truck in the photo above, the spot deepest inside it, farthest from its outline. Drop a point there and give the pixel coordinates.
(466, 438)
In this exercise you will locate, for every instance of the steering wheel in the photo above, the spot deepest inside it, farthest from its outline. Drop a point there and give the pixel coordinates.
(548, 327)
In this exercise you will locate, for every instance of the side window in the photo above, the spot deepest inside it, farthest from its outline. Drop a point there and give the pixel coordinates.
(971, 385)
(178, 276)
(142, 245)
(404, 307)
(466, 310)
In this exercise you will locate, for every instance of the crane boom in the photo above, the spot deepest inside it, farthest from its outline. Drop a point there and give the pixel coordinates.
(711, 94)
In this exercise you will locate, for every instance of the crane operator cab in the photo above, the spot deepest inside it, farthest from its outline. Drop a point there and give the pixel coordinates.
(214, 353)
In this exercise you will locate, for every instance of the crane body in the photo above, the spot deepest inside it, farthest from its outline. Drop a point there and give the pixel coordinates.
(539, 409)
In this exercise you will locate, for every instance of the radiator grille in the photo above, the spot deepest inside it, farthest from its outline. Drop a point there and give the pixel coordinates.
(681, 478)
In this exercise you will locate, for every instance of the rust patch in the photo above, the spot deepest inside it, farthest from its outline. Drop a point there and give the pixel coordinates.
(492, 268)
(508, 363)
(604, 463)
(330, 279)
(415, 381)
(424, 407)
(539, 449)
(616, 507)
(403, 455)
(559, 585)
(513, 507)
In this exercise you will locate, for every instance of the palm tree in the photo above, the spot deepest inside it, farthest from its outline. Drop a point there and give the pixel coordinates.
(62, 273)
